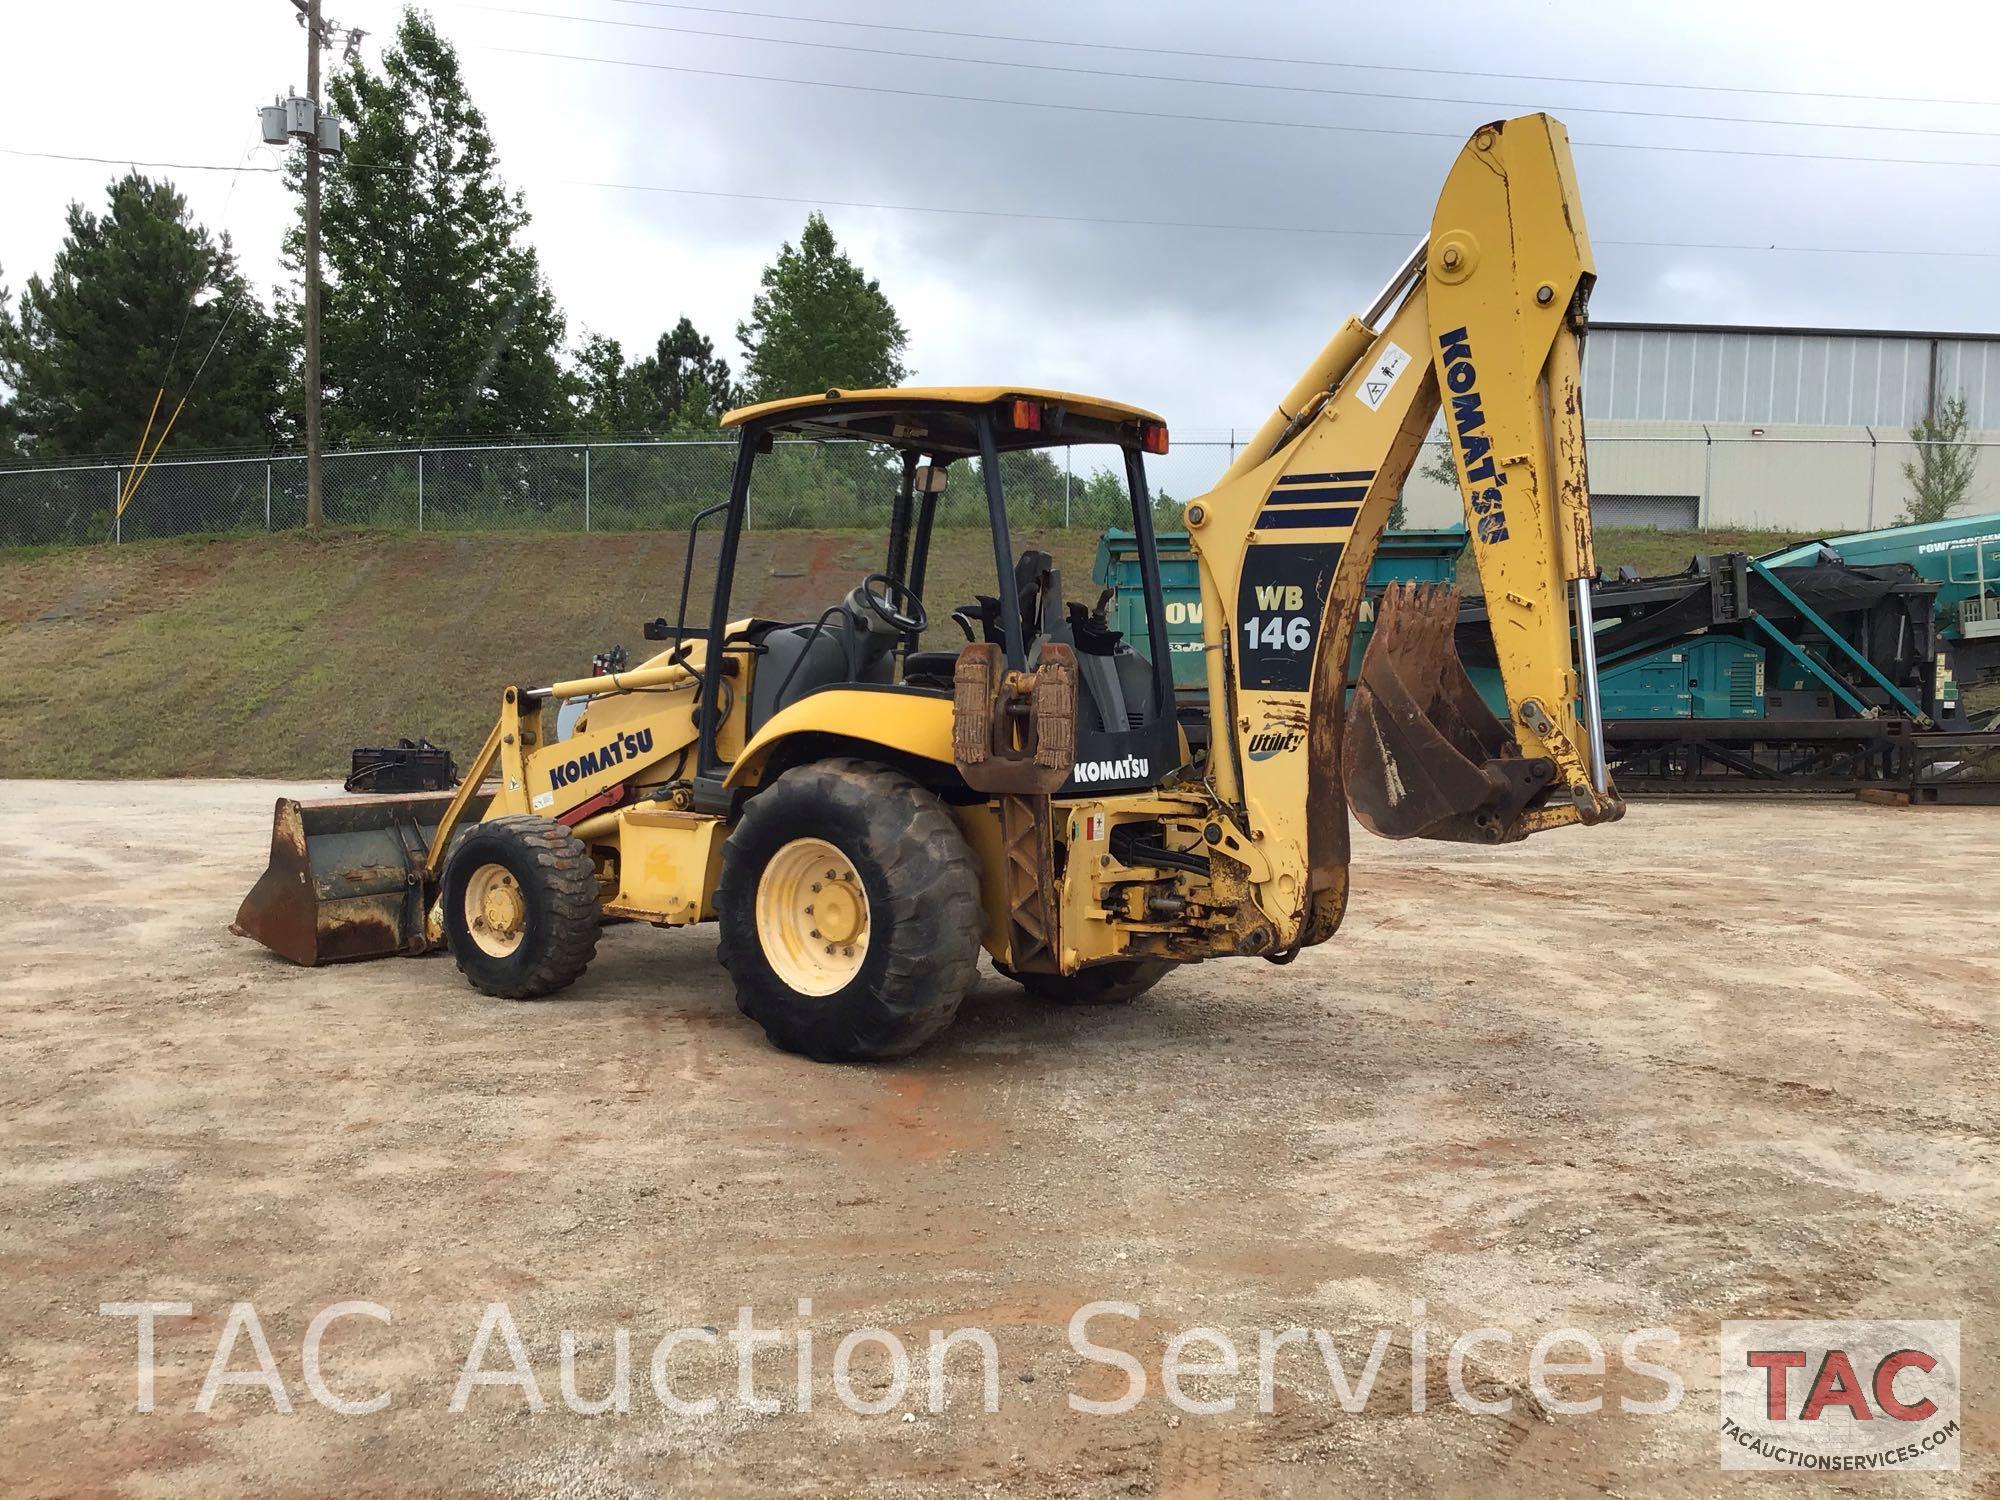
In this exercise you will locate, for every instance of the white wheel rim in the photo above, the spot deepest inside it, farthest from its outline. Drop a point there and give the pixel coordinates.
(812, 917)
(496, 913)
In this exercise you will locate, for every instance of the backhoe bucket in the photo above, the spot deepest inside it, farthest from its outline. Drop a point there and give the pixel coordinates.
(346, 878)
(1420, 739)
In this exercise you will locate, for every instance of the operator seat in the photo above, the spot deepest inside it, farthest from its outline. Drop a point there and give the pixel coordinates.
(1034, 571)
(848, 643)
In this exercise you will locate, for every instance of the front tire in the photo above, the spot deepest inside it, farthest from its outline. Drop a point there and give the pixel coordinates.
(520, 906)
(849, 907)
(1101, 984)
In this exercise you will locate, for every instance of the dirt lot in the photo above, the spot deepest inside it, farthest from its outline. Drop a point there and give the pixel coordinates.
(1721, 1061)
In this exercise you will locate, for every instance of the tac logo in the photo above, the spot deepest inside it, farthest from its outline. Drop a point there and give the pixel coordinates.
(1840, 1396)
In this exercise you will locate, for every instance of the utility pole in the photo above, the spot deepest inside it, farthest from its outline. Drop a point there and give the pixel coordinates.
(302, 120)
(315, 516)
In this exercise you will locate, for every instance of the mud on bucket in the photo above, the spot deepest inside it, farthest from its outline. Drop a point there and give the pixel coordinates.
(1420, 742)
(346, 877)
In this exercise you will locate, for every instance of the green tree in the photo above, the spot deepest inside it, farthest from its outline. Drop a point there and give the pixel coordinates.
(135, 300)
(1942, 473)
(697, 414)
(435, 317)
(683, 359)
(681, 388)
(819, 323)
(9, 376)
(1438, 468)
(1102, 499)
(612, 396)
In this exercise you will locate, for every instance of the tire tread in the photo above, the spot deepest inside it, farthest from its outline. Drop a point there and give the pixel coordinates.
(935, 912)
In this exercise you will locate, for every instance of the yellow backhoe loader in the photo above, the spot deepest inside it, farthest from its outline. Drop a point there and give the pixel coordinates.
(861, 812)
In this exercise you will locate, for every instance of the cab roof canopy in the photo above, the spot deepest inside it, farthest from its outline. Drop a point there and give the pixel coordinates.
(940, 420)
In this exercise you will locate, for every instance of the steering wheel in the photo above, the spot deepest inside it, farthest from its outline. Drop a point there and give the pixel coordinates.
(894, 604)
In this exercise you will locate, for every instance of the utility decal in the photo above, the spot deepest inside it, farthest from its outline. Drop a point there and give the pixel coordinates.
(1280, 597)
(622, 748)
(1283, 731)
(1382, 377)
(1131, 768)
(1483, 478)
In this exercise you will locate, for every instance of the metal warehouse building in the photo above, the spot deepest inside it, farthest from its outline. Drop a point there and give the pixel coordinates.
(1798, 429)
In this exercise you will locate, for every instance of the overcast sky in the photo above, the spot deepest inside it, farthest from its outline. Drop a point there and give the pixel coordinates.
(1208, 325)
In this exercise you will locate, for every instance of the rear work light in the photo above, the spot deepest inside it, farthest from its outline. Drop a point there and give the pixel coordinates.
(1153, 437)
(1025, 416)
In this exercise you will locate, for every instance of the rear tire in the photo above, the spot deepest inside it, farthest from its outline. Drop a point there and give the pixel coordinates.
(1101, 984)
(849, 907)
(520, 906)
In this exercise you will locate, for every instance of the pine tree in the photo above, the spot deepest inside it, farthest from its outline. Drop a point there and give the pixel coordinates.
(119, 317)
(680, 388)
(683, 359)
(819, 323)
(435, 317)
(1941, 475)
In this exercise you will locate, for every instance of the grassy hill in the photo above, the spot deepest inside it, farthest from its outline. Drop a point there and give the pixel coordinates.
(273, 656)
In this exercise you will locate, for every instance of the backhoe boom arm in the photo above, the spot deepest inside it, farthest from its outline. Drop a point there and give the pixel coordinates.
(1483, 324)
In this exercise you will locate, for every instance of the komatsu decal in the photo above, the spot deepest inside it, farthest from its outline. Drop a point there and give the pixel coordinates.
(622, 748)
(1476, 449)
(1130, 769)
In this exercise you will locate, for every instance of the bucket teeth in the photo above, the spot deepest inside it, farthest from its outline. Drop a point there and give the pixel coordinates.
(1420, 738)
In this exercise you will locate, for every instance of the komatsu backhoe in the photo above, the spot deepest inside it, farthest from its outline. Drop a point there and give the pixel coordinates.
(862, 811)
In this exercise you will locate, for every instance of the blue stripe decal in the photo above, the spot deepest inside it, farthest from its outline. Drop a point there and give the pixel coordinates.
(1348, 477)
(1330, 495)
(1334, 515)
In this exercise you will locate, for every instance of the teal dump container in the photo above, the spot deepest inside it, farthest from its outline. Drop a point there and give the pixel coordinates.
(1409, 556)
(1117, 568)
(1418, 557)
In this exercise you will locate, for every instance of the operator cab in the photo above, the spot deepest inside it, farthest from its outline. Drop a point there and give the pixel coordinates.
(944, 461)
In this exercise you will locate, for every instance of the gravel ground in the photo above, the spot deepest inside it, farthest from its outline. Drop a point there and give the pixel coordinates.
(1717, 1062)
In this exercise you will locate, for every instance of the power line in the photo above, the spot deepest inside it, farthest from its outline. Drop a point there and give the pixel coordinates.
(126, 161)
(1159, 114)
(1207, 55)
(1402, 235)
(1227, 83)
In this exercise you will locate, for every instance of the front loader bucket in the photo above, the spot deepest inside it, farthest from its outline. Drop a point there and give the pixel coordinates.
(1420, 741)
(346, 878)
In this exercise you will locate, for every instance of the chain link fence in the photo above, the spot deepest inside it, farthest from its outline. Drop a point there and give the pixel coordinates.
(1825, 484)
(620, 486)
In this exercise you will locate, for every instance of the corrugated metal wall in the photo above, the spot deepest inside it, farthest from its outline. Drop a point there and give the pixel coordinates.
(1785, 378)
(1808, 479)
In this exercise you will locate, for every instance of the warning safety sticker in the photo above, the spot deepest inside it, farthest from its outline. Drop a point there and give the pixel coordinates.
(1381, 377)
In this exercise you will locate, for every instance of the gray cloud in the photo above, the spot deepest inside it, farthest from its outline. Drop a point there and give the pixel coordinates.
(1207, 325)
